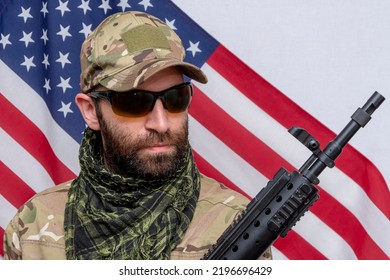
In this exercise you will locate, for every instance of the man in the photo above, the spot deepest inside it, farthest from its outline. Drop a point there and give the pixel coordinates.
(139, 194)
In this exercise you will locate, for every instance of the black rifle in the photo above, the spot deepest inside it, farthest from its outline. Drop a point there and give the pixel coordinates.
(286, 198)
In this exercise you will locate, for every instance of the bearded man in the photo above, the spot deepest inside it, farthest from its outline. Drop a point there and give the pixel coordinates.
(139, 194)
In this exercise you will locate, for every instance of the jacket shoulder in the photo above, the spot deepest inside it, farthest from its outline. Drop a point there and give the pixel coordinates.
(217, 194)
(216, 209)
(38, 225)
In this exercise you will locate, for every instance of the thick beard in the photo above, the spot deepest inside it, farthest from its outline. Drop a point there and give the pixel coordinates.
(122, 152)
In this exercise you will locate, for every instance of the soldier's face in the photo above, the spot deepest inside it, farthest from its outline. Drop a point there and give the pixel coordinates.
(151, 146)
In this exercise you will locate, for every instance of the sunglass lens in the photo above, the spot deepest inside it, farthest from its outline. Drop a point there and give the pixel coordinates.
(140, 103)
(135, 104)
(177, 100)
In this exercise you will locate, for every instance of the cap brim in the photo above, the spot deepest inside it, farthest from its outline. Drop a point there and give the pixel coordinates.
(135, 75)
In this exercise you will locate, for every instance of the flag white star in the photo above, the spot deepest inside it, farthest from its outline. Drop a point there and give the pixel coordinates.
(44, 9)
(44, 37)
(87, 29)
(64, 32)
(27, 38)
(146, 4)
(105, 6)
(85, 6)
(5, 40)
(63, 59)
(28, 62)
(25, 14)
(194, 48)
(46, 60)
(171, 24)
(47, 85)
(65, 108)
(63, 7)
(123, 4)
(64, 84)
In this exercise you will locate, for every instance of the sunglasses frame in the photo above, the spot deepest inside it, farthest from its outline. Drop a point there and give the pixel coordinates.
(108, 95)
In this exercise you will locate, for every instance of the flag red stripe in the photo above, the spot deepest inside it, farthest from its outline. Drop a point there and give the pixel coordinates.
(351, 230)
(294, 247)
(16, 191)
(22, 129)
(208, 170)
(368, 176)
(292, 238)
(286, 112)
(228, 130)
(219, 122)
(221, 125)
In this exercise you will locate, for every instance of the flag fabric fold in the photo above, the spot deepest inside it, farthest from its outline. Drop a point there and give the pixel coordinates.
(238, 126)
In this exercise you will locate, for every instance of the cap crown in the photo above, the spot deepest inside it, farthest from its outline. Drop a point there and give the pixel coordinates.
(124, 47)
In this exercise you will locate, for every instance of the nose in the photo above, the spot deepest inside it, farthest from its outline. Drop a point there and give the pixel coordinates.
(157, 119)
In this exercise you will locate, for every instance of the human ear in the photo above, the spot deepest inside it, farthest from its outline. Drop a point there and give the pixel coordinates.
(88, 110)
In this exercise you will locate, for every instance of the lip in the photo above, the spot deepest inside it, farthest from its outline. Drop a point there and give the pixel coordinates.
(159, 148)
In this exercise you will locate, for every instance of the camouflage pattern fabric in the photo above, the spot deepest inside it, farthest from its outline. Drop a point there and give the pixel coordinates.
(128, 48)
(36, 232)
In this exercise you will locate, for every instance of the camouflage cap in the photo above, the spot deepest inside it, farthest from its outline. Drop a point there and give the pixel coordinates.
(127, 48)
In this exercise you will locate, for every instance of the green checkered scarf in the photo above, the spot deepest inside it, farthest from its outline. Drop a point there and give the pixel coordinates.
(111, 217)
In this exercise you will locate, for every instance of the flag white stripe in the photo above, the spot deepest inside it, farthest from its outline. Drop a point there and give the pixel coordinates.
(277, 255)
(253, 118)
(33, 106)
(12, 153)
(237, 170)
(208, 145)
(320, 235)
(7, 212)
(214, 151)
(346, 191)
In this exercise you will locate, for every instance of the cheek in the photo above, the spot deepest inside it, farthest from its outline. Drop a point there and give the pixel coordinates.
(131, 126)
(177, 121)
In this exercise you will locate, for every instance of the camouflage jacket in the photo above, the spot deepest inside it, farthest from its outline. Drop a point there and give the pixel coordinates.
(36, 231)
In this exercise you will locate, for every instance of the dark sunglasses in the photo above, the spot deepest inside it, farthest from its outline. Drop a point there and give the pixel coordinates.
(138, 103)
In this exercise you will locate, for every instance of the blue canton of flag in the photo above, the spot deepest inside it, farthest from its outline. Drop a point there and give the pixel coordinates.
(41, 43)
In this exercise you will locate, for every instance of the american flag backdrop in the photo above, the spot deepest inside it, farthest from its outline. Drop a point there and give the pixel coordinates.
(238, 126)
